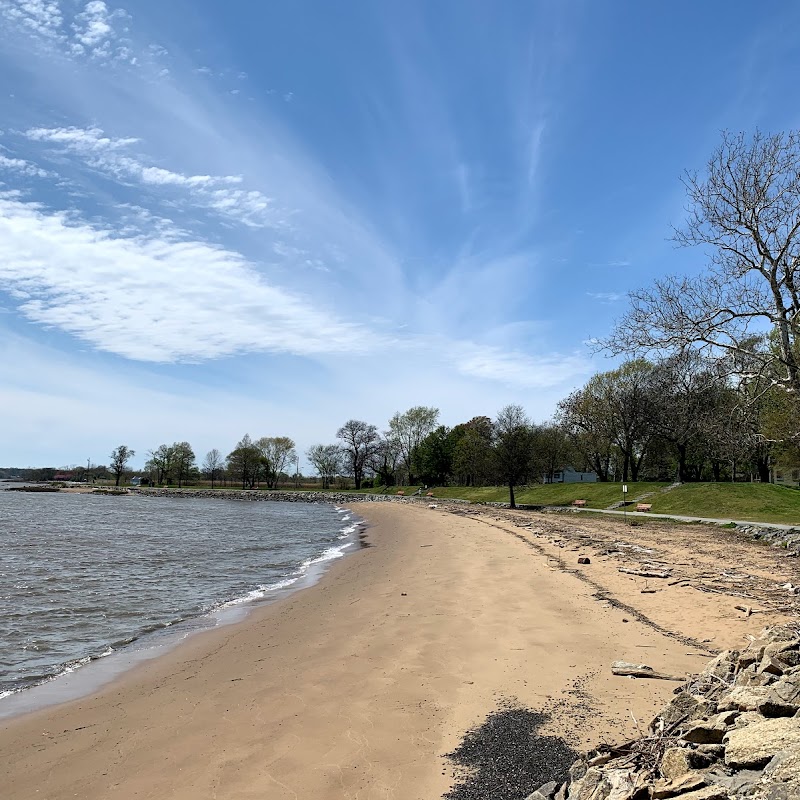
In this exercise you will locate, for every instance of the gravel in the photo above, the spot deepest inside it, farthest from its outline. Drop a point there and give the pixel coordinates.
(505, 758)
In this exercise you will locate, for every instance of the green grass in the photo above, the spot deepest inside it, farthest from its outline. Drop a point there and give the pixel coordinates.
(597, 495)
(759, 502)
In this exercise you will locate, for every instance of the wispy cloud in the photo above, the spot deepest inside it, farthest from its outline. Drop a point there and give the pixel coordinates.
(606, 297)
(154, 299)
(23, 167)
(109, 155)
(612, 263)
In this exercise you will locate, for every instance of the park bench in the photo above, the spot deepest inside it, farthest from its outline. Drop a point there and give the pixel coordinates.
(579, 503)
(643, 507)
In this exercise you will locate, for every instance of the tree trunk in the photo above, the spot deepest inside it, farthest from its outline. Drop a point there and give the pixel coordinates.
(119, 475)
(682, 473)
(511, 500)
(763, 469)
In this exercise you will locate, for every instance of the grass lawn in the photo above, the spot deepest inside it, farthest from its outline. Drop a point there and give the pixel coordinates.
(597, 495)
(760, 502)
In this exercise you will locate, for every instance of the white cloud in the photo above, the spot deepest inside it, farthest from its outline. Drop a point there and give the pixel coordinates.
(81, 140)
(23, 167)
(93, 25)
(103, 153)
(90, 33)
(42, 17)
(155, 299)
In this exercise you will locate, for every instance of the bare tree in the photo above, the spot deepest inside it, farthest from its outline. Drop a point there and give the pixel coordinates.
(120, 456)
(359, 440)
(212, 463)
(513, 447)
(746, 211)
(326, 460)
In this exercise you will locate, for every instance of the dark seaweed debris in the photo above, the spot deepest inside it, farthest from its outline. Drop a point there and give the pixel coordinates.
(505, 759)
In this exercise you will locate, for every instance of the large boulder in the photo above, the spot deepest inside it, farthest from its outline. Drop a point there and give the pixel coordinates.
(755, 745)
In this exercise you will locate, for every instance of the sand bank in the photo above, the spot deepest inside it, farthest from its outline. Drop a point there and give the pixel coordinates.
(355, 687)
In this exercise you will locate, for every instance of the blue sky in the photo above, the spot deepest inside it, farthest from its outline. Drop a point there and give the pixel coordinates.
(273, 217)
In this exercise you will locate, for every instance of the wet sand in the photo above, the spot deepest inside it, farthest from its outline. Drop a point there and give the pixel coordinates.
(356, 687)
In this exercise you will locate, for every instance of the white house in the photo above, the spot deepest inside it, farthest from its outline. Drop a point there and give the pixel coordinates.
(569, 475)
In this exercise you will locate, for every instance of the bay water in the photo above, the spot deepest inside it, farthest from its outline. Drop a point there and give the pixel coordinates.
(84, 578)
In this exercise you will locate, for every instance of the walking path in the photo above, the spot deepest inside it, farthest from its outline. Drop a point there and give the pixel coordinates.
(681, 518)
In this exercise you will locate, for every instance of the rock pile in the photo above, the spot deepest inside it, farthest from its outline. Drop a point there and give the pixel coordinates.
(731, 732)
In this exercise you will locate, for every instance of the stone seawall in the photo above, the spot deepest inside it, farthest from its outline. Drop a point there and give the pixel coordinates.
(338, 498)
(731, 732)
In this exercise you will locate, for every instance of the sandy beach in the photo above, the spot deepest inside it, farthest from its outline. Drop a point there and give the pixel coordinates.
(358, 686)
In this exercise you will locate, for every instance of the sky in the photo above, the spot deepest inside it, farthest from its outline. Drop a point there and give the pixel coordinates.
(270, 218)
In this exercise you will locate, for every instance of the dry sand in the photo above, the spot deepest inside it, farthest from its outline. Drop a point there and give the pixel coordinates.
(356, 687)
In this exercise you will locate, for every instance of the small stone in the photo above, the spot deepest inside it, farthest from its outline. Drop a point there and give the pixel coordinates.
(675, 763)
(584, 560)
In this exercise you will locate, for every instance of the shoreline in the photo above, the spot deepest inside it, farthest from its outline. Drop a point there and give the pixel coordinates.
(361, 682)
(87, 675)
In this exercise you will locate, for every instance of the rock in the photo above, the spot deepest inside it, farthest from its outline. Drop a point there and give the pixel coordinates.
(754, 745)
(578, 771)
(676, 762)
(771, 665)
(705, 732)
(748, 657)
(781, 779)
(686, 783)
(707, 793)
(612, 784)
(584, 560)
(743, 698)
(780, 647)
(683, 706)
(737, 783)
(711, 751)
(724, 665)
(544, 792)
(782, 700)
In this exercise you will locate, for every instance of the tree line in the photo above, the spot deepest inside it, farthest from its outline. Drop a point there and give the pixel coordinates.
(709, 388)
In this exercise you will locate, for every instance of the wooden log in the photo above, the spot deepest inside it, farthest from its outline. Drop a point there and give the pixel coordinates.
(645, 573)
(626, 670)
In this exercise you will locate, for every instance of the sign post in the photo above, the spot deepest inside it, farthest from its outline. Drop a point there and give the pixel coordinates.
(625, 501)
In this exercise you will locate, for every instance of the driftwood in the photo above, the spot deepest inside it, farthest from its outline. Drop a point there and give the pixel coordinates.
(624, 669)
(645, 573)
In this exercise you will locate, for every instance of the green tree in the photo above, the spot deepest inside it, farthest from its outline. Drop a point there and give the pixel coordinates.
(244, 462)
(276, 453)
(408, 430)
(183, 461)
(513, 447)
(473, 456)
(433, 460)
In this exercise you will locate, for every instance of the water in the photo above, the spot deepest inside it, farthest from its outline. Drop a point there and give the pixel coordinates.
(84, 577)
